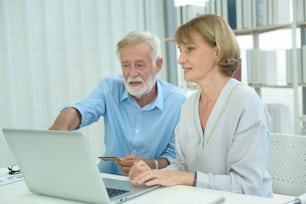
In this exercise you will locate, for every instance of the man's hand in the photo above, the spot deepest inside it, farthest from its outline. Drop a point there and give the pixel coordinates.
(126, 163)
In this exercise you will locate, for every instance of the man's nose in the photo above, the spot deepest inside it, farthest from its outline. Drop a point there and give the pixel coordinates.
(134, 71)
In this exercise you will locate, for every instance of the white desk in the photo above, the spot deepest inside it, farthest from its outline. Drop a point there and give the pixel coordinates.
(18, 193)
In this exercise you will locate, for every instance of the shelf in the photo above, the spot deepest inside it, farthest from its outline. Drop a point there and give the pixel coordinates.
(275, 85)
(301, 24)
(296, 34)
(262, 29)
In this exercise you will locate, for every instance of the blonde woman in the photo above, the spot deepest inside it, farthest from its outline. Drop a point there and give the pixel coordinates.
(222, 136)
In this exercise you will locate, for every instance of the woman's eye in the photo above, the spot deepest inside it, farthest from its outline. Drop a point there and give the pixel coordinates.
(190, 48)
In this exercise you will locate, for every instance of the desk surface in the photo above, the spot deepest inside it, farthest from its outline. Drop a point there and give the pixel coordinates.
(18, 193)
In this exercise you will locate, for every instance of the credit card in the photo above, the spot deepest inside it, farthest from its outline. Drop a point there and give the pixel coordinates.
(110, 158)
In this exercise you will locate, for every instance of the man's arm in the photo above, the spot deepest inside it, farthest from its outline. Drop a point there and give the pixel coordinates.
(69, 119)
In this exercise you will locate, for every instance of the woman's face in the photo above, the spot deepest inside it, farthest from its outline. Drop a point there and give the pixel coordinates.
(198, 59)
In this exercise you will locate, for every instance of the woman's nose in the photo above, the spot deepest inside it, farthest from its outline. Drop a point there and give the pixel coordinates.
(181, 59)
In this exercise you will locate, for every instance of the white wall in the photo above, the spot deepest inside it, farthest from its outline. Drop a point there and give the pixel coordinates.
(54, 52)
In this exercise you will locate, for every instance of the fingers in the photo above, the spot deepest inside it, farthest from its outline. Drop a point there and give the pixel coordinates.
(131, 157)
(126, 163)
(125, 166)
(125, 171)
(148, 178)
(158, 177)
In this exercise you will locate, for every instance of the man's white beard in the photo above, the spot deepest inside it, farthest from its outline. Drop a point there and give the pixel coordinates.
(143, 89)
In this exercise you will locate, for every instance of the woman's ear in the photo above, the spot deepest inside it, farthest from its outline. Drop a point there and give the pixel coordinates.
(217, 54)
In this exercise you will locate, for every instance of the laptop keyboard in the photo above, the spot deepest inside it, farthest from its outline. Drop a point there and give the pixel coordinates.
(112, 192)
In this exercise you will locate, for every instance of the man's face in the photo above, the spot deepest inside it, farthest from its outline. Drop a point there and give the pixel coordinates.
(138, 71)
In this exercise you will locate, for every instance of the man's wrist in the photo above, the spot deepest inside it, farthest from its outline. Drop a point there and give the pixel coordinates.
(156, 164)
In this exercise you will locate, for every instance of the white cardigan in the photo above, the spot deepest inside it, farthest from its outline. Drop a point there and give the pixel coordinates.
(232, 153)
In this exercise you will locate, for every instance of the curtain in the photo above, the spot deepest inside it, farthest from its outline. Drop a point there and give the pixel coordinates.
(54, 52)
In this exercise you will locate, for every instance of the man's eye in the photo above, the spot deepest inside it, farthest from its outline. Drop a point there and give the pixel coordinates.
(126, 65)
(140, 65)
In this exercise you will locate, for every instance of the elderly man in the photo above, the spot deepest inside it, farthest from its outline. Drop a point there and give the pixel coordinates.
(140, 111)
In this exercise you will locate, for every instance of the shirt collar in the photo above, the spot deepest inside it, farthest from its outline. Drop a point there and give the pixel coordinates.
(158, 102)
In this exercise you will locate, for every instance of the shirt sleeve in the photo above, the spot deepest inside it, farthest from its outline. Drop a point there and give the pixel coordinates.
(93, 106)
(169, 152)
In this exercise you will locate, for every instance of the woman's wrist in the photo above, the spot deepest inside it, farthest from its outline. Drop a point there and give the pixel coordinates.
(186, 178)
(195, 178)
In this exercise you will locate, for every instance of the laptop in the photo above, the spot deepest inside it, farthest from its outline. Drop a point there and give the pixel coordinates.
(60, 164)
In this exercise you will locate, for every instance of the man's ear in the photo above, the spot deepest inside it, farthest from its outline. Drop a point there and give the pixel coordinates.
(158, 64)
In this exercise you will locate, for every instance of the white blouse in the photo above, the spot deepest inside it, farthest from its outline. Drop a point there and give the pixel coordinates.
(232, 153)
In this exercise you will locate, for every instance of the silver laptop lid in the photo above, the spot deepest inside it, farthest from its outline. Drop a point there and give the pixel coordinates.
(49, 167)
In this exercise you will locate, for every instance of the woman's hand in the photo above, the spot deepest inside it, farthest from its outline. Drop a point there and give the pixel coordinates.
(141, 174)
(139, 167)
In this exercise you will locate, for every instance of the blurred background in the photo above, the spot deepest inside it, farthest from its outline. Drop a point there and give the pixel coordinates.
(54, 53)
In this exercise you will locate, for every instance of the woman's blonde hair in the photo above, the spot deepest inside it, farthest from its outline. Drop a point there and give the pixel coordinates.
(217, 33)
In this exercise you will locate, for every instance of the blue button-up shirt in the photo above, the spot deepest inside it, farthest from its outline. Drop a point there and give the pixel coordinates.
(147, 132)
